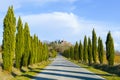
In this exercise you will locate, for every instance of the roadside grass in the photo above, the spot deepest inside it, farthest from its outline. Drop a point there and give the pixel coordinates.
(104, 74)
(30, 72)
(116, 60)
(24, 73)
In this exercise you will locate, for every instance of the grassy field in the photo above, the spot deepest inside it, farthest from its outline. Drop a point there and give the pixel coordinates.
(25, 73)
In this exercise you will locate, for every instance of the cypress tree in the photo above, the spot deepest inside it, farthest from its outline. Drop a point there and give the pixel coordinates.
(80, 52)
(19, 43)
(100, 50)
(89, 51)
(40, 51)
(110, 49)
(32, 52)
(46, 52)
(72, 52)
(85, 56)
(35, 48)
(9, 39)
(94, 46)
(76, 51)
(26, 45)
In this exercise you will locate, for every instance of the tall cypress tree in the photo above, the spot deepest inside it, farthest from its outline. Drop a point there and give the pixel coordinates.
(40, 48)
(80, 52)
(89, 51)
(85, 56)
(45, 52)
(72, 52)
(31, 51)
(8, 39)
(110, 52)
(35, 48)
(19, 43)
(100, 50)
(39, 51)
(76, 51)
(26, 45)
(94, 46)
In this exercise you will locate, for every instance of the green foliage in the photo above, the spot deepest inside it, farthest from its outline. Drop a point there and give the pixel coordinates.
(76, 53)
(85, 52)
(94, 46)
(31, 58)
(19, 44)
(80, 52)
(9, 39)
(28, 50)
(89, 51)
(53, 53)
(100, 50)
(45, 52)
(110, 49)
(72, 52)
(35, 48)
(26, 45)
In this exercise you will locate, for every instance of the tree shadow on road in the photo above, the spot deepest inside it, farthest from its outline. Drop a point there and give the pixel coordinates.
(68, 66)
(66, 75)
(78, 72)
(71, 76)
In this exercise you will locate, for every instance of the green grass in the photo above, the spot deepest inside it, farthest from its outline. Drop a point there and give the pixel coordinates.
(101, 73)
(31, 72)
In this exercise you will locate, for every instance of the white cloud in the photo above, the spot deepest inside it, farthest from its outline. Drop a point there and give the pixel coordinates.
(68, 26)
(55, 20)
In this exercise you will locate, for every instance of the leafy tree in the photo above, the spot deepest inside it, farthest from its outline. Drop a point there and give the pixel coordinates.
(94, 46)
(76, 51)
(80, 52)
(100, 50)
(85, 56)
(19, 44)
(9, 39)
(26, 45)
(110, 52)
(89, 51)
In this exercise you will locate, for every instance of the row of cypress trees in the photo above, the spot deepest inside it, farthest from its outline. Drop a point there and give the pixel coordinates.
(26, 49)
(92, 51)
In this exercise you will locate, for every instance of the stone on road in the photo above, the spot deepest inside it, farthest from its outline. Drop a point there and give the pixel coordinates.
(62, 69)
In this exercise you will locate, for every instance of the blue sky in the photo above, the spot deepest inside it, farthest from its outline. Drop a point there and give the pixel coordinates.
(67, 19)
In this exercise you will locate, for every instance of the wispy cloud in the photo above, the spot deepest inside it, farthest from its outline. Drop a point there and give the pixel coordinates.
(68, 26)
(58, 25)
